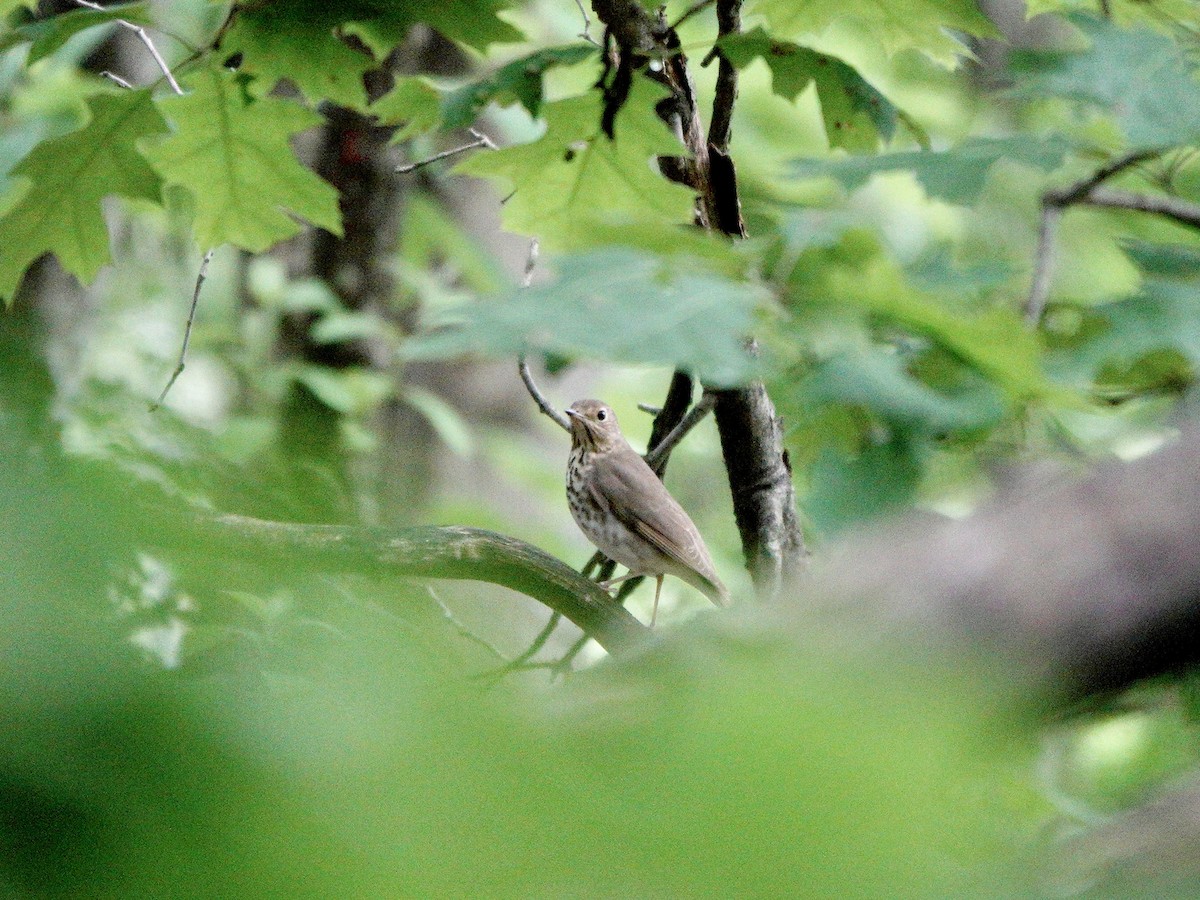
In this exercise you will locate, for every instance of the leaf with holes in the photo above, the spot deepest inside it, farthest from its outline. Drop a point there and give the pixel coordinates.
(856, 115)
(233, 155)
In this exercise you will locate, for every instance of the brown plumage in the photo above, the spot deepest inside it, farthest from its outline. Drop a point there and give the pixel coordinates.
(626, 511)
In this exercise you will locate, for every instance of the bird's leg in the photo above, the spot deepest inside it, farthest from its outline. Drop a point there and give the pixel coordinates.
(657, 590)
(608, 585)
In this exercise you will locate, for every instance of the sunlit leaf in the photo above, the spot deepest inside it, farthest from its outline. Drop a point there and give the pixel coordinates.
(233, 155)
(574, 177)
(856, 115)
(68, 177)
(924, 25)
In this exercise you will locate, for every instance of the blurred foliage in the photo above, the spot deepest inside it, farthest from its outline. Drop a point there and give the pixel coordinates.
(183, 719)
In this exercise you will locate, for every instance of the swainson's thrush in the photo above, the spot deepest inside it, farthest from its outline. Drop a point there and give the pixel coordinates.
(624, 509)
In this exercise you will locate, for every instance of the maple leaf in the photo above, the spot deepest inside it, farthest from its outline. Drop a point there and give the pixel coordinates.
(68, 177)
(233, 155)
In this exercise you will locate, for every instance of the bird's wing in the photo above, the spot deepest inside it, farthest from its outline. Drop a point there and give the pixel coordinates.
(640, 500)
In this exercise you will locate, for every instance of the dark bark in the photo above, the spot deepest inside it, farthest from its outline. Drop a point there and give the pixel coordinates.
(751, 437)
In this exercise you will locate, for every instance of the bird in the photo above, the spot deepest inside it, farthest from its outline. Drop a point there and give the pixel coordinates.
(626, 511)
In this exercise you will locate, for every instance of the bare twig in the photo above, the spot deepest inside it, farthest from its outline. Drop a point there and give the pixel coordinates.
(1169, 207)
(546, 407)
(1086, 192)
(650, 408)
(1076, 192)
(699, 6)
(116, 79)
(187, 330)
(530, 262)
(522, 659)
(587, 24)
(679, 432)
(145, 39)
(543, 404)
(1043, 264)
(481, 140)
(457, 624)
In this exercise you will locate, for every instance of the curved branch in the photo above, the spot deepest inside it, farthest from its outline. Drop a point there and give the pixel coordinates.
(543, 404)
(454, 552)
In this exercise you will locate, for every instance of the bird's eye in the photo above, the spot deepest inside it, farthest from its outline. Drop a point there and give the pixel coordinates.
(601, 415)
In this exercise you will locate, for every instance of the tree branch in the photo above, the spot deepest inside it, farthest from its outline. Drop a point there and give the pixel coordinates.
(471, 554)
(481, 140)
(751, 436)
(1054, 201)
(145, 39)
(1168, 207)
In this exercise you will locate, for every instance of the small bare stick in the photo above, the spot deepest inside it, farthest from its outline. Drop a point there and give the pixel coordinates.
(587, 24)
(145, 39)
(187, 331)
(539, 398)
(116, 79)
(481, 140)
(707, 401)
(691, 11)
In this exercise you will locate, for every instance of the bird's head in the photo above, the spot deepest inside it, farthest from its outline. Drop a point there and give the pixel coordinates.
(593, 426)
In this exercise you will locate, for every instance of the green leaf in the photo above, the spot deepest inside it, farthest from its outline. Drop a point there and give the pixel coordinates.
(613, 304)
(60, 210)
(893, 24)
(879, 381)
(995, 342)
(519, 81)
(297, 42)
(383, 24)
(856, 115)
(957, 175)
(850, 489)
(443, 418)
(347, 391)
(574, 178)
(1143, 79)
(413, 103)
(48, 35)
(233, 155)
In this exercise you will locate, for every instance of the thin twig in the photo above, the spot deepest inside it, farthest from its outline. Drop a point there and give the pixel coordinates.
(520, 661)
(1075, 192)
(145, 39)
(587, 24)
(650, 408)
(187, 330)
(1169, 207)
(1054, 201)
(546, 407)
(462, 629)
(563, 665)
(116, 79)
(679, 432)
(1043, 264)
(530, 262)
(691, 11)
(481, 140)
